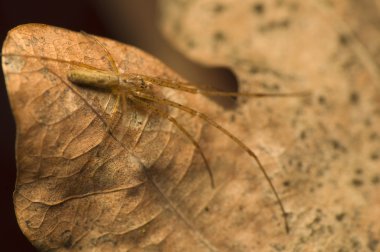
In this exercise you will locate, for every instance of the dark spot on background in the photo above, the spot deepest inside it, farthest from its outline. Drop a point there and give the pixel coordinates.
(254, 70)
(218, 8)
(284, 23)
(354, 98)
(358, 171)
(373, 136)
(357, 182)
(219, 36)
(258, 8)
(270, 86)
(376, 179)
(293, 7)
(344, 39)
(267, 70)
(317, 219)
(303, 135)
(373, 244)
(286, 183)
(322, 100)
(355, 244)
(337, 145)
(340, 217)
(374, 156)
(299, 165)
(66, 236)
(273, 25)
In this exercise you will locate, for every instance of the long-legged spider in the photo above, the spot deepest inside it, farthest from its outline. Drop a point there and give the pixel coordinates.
(138, 88)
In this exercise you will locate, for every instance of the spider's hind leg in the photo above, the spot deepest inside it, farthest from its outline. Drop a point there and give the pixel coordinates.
(178, 125)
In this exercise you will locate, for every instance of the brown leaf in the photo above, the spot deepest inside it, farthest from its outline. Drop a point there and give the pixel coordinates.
(94, 178)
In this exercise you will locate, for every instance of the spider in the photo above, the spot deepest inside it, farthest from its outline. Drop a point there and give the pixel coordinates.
(142, 90)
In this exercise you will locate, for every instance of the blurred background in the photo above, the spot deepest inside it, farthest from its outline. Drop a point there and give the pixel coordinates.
(131, 22)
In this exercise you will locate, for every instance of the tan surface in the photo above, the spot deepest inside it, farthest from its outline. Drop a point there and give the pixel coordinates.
(78, 187)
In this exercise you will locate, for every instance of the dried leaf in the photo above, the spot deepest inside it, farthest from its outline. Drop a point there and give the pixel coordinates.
(90, 178)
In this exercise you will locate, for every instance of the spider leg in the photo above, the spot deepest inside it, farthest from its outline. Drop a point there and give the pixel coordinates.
(69, 62)
(189, 88)
(183, 130)
(228, 134)
(114, 112)
(115, 70)
(108, 54)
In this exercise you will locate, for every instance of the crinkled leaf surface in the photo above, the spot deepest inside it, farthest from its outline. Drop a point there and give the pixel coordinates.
(141, 187)
(80, 187)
